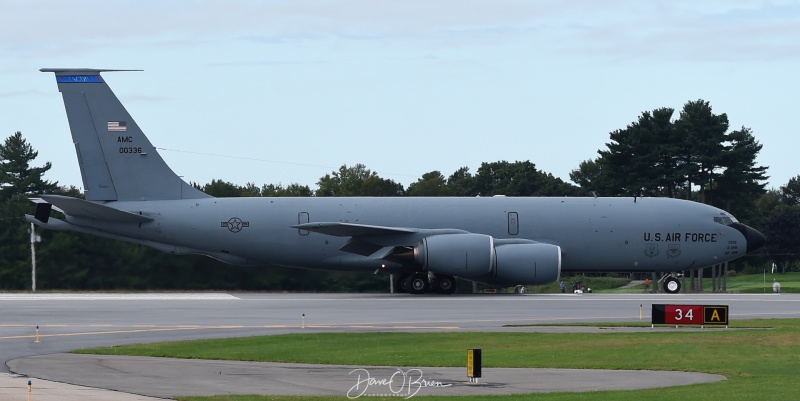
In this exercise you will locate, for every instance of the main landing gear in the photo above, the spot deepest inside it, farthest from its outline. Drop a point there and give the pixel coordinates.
(421, 283)
(671, 284)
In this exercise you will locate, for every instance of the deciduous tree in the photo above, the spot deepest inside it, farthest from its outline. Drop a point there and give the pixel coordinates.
(357, 180)
(431, 184)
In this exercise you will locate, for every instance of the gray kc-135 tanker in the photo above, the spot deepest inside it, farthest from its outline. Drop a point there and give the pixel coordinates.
(132, 195)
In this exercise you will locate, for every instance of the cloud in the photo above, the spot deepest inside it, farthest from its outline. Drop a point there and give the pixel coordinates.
(611, 30)
(16, 94)
(711, 31)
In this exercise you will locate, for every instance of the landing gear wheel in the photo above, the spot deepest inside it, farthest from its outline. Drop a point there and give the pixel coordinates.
(672, 285)
(418, 283)
(446, 284)
(401, 283)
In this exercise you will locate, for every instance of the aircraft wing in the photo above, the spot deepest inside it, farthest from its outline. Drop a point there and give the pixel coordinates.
(378, 242)
(353, 230)
(89, 210)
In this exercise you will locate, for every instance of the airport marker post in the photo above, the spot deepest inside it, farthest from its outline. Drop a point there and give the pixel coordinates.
(29, 390)
(474, 364)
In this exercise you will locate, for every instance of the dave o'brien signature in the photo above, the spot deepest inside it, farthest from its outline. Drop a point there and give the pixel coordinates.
(401, 382)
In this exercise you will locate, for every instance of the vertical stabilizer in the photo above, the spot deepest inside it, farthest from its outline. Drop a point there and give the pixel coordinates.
(117, 160)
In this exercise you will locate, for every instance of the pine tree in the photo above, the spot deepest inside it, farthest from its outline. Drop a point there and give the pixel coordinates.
(16, 174)
(17, 180)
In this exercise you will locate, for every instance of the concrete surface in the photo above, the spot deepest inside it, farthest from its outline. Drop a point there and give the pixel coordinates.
(15, 387)
(167, 377)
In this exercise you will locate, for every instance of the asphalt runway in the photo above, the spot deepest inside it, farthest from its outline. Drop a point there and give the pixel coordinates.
(71, 321)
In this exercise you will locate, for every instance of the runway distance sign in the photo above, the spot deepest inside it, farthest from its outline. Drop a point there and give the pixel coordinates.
(690, 314)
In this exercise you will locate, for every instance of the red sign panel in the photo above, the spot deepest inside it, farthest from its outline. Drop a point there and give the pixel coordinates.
(683, 314)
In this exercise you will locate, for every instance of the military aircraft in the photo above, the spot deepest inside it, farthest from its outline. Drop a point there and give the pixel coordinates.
(130, 194)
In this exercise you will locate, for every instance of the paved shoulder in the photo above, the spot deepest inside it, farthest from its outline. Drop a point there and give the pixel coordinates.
(15, 387)
(166, 377)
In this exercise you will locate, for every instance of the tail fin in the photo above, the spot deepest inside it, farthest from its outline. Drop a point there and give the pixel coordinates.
(117, 160)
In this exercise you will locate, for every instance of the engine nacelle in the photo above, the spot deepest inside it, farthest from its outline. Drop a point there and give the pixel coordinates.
(475, 257)
(464, 255)
(530, 264)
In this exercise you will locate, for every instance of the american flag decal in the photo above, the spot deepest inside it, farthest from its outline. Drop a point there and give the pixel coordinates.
(117, 126)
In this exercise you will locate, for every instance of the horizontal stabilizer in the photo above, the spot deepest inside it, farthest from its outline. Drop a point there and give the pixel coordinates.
(54, 224)
(80, 208)
(352, 230)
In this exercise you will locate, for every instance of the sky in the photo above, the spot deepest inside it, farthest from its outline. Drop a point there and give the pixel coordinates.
(283, 92)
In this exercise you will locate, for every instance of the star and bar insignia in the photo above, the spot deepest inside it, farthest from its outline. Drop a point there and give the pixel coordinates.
(235, 224)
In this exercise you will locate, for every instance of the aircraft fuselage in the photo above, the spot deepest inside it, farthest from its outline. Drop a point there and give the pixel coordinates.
(595, 234)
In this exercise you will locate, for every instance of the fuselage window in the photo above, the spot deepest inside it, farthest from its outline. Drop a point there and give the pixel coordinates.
(724, 220)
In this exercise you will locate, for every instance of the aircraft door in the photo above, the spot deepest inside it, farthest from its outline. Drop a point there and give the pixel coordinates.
(302, 218)
(513, 223)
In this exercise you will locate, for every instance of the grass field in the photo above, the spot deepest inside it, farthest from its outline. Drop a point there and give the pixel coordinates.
(757, 283)
(760, 364)
(737, 283)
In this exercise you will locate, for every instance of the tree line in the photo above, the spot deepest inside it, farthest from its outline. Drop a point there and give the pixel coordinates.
(497, 178)
(694, 156)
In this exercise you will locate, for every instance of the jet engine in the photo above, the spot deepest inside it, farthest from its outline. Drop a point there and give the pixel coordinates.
(478, 257)
(531, 264)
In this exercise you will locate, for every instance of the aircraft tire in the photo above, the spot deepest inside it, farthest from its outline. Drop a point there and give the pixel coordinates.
(672, 285)
(446, 284)
(401, 282)
(418, 283)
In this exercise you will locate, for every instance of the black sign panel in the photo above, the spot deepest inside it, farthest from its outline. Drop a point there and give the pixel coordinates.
(715, 314)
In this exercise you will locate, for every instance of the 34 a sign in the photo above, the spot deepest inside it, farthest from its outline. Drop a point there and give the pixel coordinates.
(690, 314)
